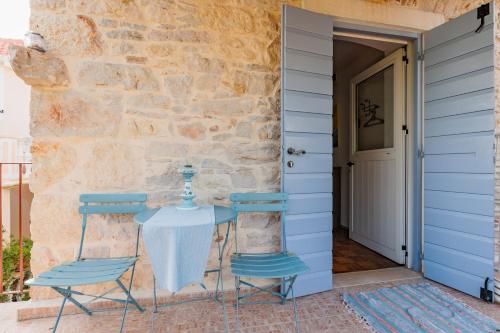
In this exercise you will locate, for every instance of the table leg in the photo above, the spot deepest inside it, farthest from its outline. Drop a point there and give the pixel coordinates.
(155, 304)
(220, 278)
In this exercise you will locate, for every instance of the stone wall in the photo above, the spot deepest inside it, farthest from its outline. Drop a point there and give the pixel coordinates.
(148, 86)
(151, 85)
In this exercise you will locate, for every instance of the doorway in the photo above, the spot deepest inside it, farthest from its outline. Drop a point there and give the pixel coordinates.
(450, 165)
(369, 152)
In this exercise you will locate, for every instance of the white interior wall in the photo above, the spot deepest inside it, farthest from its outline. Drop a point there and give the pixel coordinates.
(349, 59)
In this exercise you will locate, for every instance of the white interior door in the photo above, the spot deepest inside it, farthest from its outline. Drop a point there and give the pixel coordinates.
(377, 151)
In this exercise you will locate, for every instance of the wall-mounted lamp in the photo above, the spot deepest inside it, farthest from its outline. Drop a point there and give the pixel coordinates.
(35, 41)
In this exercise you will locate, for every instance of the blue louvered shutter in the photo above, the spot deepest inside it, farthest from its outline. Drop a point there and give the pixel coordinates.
(306, 113)
(459, 144)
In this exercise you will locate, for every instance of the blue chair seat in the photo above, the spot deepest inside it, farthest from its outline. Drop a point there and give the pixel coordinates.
(268, 265)
(84, 272)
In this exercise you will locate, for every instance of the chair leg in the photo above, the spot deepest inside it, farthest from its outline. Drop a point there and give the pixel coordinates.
(283, 286)
(124, 314)
(59, 314)
(223, 301)
(129, 297)
(66, 293)
(237, 284)
(295, 313)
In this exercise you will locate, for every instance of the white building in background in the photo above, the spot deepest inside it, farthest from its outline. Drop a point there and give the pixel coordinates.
(15, 144)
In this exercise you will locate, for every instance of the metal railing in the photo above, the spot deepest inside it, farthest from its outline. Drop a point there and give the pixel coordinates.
(7, 180)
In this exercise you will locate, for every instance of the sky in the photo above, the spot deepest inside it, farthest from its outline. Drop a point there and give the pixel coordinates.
(14, 18)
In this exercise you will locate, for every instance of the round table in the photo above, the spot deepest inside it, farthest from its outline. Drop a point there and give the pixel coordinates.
(222, 215)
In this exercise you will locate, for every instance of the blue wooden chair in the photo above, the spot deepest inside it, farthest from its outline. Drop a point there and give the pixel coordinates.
(282, 265)
(89, 271)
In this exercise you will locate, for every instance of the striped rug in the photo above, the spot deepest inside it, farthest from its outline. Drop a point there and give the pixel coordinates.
(416, 308)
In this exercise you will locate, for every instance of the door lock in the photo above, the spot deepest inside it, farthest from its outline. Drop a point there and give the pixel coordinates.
(290, 164)
(350, 164)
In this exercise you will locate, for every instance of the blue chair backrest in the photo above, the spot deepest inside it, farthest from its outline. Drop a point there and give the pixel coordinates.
(129, 203)
(261, 203)
(112, 203)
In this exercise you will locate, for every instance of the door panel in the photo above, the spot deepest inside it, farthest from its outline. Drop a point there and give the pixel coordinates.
(310, 243)
(467, 153)
(459, 153)
(473, 224)
(309, 62)
(460, 27)
(460, 202)
(318, 261)
(459, 65)
(478, 183)
(308, 183)
(305, 102)
(466, 103)
(459, 46)
(306, 114)
(456, 259)
(314, 282)
(309, 164)
(307, 122)
(377, 177)
(462, 84)
(308, 42)
(316, 222)
(456, 278)
(483, 121)
(310, 203)
(310, 142)
(308, 82)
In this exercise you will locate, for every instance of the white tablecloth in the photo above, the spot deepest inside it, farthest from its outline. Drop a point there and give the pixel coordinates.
(178, 243)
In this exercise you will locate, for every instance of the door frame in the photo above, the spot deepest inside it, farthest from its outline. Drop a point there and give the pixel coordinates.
(394, 59)
(414, 120)
(414, 140)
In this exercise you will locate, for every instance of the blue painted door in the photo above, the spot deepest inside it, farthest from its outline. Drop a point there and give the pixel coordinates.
(459, 145)
(306, 115)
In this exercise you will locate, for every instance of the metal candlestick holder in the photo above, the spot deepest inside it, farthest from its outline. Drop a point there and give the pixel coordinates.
(187, 195)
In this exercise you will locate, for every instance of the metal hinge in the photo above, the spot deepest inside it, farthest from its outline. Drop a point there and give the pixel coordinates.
(482, 12)
(405, 59)
(484, 293)
(403, 248)
(420, 153)
(405, 129)
(421, 255)
(334, 77)
(494, 153)
(420, 56)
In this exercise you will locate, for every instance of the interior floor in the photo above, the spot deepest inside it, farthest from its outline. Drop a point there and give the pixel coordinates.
(350, 256)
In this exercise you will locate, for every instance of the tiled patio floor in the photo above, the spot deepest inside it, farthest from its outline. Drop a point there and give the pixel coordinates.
(318, 313)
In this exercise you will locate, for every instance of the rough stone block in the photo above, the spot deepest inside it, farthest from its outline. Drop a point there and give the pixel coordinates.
(38, 69)
(75, 35)
(128, 77)
(114, 166)
(71, 113)
(52, 163)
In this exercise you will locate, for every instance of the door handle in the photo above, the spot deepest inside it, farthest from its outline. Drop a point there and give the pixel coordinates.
(297, 152)
(350, 164)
